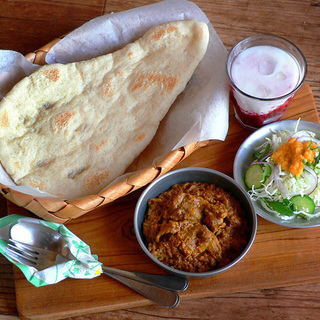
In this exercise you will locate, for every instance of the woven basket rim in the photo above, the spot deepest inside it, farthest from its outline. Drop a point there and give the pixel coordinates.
(39, 56)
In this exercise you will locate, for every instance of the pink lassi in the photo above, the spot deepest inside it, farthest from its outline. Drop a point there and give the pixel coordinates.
(264, 78)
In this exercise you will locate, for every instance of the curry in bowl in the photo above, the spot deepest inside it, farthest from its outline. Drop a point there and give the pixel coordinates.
(196, 227)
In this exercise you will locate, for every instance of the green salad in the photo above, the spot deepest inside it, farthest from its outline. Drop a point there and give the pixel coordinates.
(272, 177)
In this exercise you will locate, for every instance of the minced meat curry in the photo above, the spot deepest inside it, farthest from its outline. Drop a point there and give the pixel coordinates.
(195, 227)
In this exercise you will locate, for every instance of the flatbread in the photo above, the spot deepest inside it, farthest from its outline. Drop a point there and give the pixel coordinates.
(71, 129)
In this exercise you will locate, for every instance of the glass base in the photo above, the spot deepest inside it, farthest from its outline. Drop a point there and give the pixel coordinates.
(243, 124)
(253, 121)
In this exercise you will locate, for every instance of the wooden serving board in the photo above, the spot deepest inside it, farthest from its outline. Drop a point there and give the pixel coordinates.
(280, 256)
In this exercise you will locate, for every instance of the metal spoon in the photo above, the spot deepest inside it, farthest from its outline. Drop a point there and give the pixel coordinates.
(158, 288)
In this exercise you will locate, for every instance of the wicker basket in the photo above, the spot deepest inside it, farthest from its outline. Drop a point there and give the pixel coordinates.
(60, 210)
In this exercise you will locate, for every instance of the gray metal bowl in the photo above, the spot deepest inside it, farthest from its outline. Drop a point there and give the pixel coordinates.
(244, 158)
(189, 175)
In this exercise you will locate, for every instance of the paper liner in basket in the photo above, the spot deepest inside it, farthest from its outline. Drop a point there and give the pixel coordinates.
(199, 114)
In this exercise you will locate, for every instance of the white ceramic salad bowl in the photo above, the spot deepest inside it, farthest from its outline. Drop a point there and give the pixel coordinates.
(244, 158)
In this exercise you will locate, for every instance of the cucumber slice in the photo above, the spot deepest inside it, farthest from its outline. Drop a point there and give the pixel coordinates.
(304, 203)
(254, 176)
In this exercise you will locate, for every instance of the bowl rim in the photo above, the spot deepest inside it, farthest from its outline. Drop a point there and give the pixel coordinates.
(186, 274)
(256, 135)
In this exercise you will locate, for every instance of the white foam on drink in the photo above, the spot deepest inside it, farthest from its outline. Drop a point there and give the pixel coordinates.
(265, 72)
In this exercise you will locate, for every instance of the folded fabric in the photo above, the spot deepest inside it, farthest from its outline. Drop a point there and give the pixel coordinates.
(86, 266)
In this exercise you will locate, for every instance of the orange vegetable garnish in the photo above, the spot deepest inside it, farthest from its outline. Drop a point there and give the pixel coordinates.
(291, 155)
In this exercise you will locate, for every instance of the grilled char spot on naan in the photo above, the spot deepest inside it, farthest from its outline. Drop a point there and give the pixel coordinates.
(71, 129)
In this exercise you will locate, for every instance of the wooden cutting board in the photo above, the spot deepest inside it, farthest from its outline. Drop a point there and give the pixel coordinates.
(279, 256)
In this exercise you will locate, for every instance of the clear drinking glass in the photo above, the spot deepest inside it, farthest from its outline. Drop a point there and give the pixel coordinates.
(256, 78)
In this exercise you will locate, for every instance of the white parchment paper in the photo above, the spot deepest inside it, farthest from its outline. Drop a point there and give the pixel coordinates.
(200, 113)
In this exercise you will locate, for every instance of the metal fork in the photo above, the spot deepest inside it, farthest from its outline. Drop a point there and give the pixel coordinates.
(142, 283)
(30, 255)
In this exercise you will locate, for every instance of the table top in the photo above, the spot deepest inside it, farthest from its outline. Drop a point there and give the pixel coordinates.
(28, 25)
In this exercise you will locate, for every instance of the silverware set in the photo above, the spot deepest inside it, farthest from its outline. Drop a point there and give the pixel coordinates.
(41, 247)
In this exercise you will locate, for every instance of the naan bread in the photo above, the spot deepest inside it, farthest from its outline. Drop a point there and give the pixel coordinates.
(71, 129)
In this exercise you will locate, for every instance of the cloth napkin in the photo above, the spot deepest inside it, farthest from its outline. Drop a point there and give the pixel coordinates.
(86, 266)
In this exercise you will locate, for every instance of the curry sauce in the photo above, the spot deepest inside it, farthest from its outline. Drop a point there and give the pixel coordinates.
(195, 227)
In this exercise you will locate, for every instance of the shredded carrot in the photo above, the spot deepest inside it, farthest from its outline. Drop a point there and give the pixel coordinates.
(291, 155)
